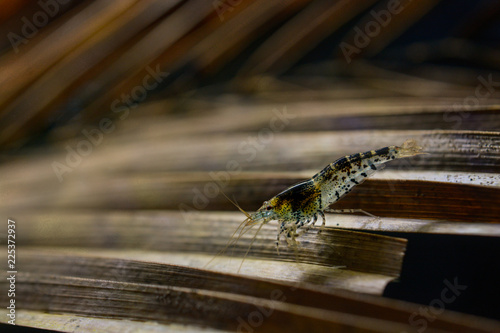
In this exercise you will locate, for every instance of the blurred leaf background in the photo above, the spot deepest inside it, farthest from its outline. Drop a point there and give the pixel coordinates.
(116, 115)
(64, 63)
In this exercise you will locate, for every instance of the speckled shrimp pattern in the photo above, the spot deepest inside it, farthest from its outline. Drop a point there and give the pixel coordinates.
(300, 205)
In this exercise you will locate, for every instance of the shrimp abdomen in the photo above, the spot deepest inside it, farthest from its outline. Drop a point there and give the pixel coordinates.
(338, 178)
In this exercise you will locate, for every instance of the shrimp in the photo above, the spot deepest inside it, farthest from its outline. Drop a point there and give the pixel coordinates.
(300, 205)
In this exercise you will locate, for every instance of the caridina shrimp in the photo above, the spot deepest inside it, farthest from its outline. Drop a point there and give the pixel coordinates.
(300, 205)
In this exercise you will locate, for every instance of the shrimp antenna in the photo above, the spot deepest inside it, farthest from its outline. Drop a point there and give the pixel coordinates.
(249, 223)
(241, 229)
(250, 246)
(236, 205)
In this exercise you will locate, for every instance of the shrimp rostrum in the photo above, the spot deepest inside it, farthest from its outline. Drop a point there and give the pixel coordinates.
(301, 205)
